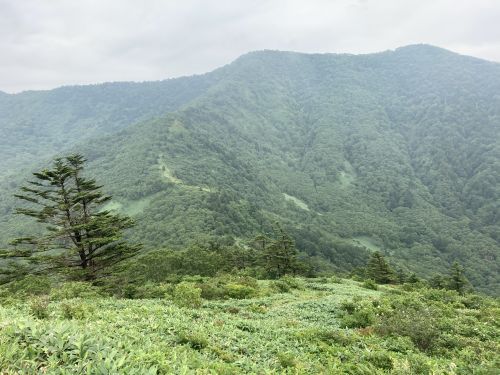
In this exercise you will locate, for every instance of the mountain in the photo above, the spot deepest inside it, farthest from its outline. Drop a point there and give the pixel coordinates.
(396, 151)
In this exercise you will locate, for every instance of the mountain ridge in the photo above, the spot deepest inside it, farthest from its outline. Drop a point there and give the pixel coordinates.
(420, 46)
(395, 150)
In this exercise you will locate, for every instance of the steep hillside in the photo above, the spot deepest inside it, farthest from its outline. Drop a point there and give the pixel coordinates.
(398, 151)
(38, 124)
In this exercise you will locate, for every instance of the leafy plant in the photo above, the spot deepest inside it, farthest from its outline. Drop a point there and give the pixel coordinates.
(39, 307)
(187, 295)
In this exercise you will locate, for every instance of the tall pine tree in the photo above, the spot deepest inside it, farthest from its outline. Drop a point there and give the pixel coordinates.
(79, 234)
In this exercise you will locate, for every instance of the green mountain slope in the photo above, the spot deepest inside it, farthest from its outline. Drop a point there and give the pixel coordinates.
(38, 124)
(398, 151)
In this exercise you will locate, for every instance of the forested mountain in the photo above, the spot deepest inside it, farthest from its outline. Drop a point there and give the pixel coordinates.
(36, 124)
(396, 151)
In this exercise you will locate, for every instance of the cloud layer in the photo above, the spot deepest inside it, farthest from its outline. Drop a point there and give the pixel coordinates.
(49, 43)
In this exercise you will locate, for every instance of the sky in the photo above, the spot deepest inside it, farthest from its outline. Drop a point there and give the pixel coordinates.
(49, 43)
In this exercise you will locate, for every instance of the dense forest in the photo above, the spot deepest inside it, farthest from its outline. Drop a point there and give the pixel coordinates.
(397, 152)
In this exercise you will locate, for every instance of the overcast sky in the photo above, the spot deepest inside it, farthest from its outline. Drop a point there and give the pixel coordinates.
(49, 43)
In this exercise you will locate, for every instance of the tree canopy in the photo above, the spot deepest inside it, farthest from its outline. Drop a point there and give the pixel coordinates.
(79, 235)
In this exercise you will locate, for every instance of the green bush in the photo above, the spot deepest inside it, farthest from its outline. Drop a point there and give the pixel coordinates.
(349, 306)
(286, 360)
(239, 291)
(74, 289)
(153, 291)
(411, 318)
(418, 364)
(212, 290)
(381, 360)
(187, 295)
(258, 309)
(359, 319)
(39, 307)
(31, 285)
(331, 337)
(473, 301)
(335, 280)
(75, 310)
(195, 340)
(281, 286)
(227, 286)
(287, 283)
(370, 284)
(357, 314)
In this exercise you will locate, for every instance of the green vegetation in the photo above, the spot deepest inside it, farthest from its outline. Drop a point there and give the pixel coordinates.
(255, 189)
(394, 152)
(325, 325)
(79, 236)
(378, 269)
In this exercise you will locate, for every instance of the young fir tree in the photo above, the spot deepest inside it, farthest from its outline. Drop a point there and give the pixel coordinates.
(279, 255)
(79, 234)
(457, 280)
(379, 270)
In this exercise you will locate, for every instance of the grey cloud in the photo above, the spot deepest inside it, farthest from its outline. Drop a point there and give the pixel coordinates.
(48, 43)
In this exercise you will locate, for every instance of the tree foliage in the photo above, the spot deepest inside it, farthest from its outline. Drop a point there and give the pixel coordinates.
(379, 270)
(79, 235)
(395, 151)
(278, 253)
(457, 281)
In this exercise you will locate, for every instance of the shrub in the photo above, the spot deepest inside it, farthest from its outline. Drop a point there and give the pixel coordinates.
(195, 340)
(473, 301)
(381, 360)
(75, 310)
(31, 285)
(152, 290)
(357, 314)
(228, 286)
(286, 360)
(258, 309)
(239, 291)
(349, 306)
(281, 286)
(187, 295)
(370, 284)
(39, 307)
(212, 290)
(319, 287)
(244, 326)
(339, 337)
(359, 319)
(287, 283)
(418, 364)
(75, 289)
(233, 310)
(335, 280)
(413, 319)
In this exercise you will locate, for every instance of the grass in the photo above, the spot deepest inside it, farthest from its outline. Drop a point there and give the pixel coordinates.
(295, 332)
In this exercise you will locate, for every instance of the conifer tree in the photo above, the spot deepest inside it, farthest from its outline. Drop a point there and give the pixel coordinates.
(279, 254)
(378, 269)
(457, 280)
(79, 235)
(413, 279)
